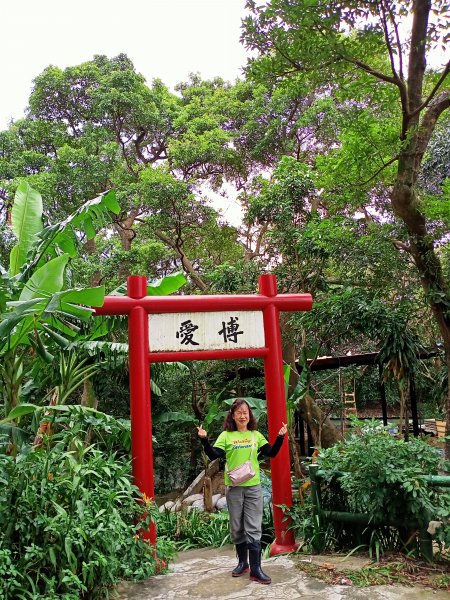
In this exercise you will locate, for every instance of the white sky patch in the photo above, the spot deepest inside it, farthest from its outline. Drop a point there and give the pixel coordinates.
(166, 39)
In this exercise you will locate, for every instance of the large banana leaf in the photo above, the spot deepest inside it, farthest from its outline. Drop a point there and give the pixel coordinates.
(26, 217)
(57, 309)
(68, 302)
(46, 280)
(64, 236)
(42, 297)
(23, 410)
(7, 289)
(94, 348)
(19, 411)
(167, 285)
(160, 287)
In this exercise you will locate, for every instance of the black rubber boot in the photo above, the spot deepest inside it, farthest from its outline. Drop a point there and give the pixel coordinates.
(242, 566)
(256, 573)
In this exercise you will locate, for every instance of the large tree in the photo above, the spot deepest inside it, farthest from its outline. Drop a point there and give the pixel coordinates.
(371, 59)
(99, 125)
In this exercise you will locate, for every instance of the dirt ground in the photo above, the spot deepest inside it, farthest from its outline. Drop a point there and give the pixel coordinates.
(360, 570)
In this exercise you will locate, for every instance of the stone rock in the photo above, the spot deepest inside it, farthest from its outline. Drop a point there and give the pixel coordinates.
(167, 506)
(198, 504)
(433, 526)
(221, 504)
(215, 498)
(197, 484)
(190, 499)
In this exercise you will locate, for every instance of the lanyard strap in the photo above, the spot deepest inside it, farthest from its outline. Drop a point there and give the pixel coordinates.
(253, 439)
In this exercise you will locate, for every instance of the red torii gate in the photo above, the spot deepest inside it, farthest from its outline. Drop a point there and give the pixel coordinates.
(137, 305)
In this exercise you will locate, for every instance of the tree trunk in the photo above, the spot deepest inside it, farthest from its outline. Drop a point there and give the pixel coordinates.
(185, 262)
(91, 248)
(419, 121)
(325, 434)
(405, 203)
(207, 494)
(402, 425)
(90, 400)
(295, 454)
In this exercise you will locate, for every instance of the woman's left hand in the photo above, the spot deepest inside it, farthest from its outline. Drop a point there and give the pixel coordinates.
(283, 430)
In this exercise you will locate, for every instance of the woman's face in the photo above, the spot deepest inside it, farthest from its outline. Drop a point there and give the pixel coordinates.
(241, 416)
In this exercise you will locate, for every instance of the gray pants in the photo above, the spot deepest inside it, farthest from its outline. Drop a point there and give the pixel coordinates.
(245, 507)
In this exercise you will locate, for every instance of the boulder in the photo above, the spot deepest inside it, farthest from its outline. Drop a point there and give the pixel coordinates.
(198, 504)
(215, 498)
(221, 504)
(166, 506)
(190, 499)
(197, 485)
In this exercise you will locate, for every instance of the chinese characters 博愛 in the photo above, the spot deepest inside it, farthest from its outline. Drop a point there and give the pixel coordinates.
(229, 332)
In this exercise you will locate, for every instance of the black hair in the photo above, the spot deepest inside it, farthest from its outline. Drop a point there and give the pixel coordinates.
(230, 424)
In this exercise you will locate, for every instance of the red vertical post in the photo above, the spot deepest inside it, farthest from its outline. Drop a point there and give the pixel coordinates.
(276, 415)
(140, 401)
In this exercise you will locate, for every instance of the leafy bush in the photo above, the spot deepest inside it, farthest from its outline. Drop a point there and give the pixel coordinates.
(385, 478)
(301, 516)
(70, 521)
(194, 529)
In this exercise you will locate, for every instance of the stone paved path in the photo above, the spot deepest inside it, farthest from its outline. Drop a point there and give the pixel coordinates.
(205, 574)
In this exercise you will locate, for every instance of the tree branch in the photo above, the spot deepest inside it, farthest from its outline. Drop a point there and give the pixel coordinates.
(260, 237)
(428, 124)
(297, 66)
(433, 92)
(388, 79)
(389, 162)
(387, 40)
(402, 246)
(368, 69)
(137, 145)
(399, 45)
(187, 265)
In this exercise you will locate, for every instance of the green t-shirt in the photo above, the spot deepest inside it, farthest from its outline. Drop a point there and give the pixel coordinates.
(237, 446)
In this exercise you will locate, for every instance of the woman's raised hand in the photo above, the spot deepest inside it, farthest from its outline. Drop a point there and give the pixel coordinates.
(201, 432)
(283, 430)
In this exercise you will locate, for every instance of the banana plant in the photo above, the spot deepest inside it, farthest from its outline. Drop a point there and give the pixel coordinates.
(38, 313)
(33, 302)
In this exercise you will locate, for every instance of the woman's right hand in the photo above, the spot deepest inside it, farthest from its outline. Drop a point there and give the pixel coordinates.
(201, 432)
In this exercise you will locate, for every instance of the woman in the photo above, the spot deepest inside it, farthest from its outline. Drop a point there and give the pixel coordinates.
(238, 443)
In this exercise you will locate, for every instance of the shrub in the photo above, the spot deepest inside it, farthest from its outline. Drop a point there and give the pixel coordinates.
(385, 478)
(70, 521)
(194, 529)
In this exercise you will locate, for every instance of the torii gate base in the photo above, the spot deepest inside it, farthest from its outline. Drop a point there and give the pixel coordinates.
(137, 305)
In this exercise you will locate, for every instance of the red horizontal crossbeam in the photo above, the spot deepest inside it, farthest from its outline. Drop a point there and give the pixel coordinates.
(122, 305)
(157, 357)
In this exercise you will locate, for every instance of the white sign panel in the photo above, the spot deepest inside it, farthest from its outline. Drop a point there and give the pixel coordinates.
(182, 332)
